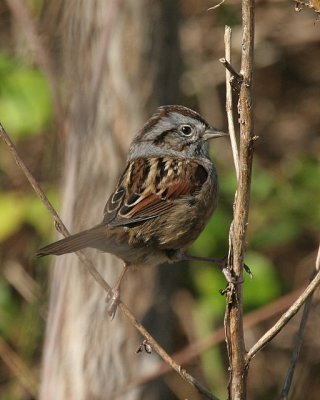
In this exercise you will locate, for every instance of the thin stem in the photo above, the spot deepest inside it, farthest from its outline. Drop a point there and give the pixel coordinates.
(229, 105)
(216, 6)
(227, 61)
(19, 368)
(299, 338)
(185, 356)
(96, 275)
(296, 349)
(286, 317)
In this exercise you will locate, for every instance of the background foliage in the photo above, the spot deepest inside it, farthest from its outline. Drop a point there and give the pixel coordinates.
(284, 213)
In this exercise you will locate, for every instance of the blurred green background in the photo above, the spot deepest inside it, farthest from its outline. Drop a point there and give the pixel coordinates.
(284, 214)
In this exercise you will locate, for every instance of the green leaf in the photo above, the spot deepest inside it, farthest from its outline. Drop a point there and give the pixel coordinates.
(209, 280)
(25, 101)
(16, 210)
(265, 285)
(11, 214)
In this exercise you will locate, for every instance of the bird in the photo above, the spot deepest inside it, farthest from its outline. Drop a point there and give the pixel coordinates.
(163, 199)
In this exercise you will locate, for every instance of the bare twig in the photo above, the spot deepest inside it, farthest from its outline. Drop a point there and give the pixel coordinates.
(296, 350)
(19, 368)
(19, 11)
(299, 338)
(229, 106)
(235, 79)
(308, 3)
(19, 278)
(164, 355)
(237, 239)
(216, 6)
(285, 318)
(183, 357)
(98, 278)
(227, 60)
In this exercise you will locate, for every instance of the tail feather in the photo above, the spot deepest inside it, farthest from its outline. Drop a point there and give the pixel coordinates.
(73, 243)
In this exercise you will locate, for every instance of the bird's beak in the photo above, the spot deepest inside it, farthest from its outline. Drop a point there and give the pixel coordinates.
(213, 133)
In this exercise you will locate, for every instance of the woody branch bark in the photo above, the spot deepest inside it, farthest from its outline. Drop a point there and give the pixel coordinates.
(234, 311)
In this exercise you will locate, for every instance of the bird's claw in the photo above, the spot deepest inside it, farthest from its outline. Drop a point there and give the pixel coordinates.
(227, 273)
(113, 300)
(232, 280)
(248, 270)
(229, 277)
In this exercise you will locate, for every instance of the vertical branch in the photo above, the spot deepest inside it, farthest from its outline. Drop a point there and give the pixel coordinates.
(234, 312)
(229, 106)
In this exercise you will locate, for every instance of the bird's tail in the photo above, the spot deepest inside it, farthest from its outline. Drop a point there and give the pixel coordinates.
(74, 243)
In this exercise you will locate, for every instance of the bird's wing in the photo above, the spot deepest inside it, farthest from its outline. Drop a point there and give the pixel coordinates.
(150, 187)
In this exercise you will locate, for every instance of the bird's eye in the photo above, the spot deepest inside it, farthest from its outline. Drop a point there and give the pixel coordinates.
(186, 130)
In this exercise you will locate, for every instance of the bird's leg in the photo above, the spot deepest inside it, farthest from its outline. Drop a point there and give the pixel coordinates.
(114, 296)
(220, 262)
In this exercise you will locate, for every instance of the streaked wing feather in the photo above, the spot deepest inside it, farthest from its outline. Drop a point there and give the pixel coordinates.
(149, 212)
(149, 195)
(149, 208)
(114, 203)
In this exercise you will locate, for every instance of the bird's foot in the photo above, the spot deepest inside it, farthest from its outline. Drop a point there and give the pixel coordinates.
(113, 300)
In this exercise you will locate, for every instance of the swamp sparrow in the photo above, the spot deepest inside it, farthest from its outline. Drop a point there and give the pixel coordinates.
(163, 199)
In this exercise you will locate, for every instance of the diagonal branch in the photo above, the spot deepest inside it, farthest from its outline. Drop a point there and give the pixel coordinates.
(186, 355)
(285, 318)
(19, 368)
(98, 278)
(296, 349)
(299, 338)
